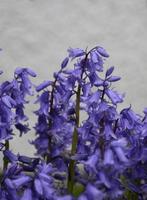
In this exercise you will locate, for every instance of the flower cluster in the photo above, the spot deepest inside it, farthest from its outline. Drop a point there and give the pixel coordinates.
(85, 148)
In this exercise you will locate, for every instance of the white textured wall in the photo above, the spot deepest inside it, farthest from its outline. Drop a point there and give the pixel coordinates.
(36, 33)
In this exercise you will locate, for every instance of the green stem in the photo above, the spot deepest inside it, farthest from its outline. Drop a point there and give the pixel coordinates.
(71, 171)
(5, 160)
(71, 168)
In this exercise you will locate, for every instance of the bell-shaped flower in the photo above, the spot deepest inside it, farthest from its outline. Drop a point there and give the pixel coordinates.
(114, 96)
(129, 119)
(43, 85)
(108, 157)
(93, 193)
(75, 52)
(27, 195)
(102, 52)
(10, 156)
(21, 181)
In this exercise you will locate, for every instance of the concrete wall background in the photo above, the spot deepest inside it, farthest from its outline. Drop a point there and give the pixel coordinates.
(36, 33)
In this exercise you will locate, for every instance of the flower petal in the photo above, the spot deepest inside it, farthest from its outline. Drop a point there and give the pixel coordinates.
(43, 85)
(102, 52)
(113, 78)
(64, 63)
(109, 71)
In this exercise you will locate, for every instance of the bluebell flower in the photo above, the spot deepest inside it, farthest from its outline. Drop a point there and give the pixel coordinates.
(110, 147)
(114, 96)
(43, 85)
(95, 80)
(25, 83)
(102, 52)
(129, 119)
(44, 103)
(92, 162)
(93, 193)
(10, 156)
(76, 52)
(27, 195)
(109, 157)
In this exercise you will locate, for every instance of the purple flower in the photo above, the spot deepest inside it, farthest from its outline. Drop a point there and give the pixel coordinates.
(102, 52)
(114, 96)
(93, 193)
(10, 156)
(113, 78)
(93, 98)
(44, 103)
(64, 62)
(86, 89)
(92, 162)
(22, 74)
(104, 179)
(109, 71)
(95, 80)
(23, 128)
(129, 119)
(43, 85)
(43, 181)
(94, 57)
(121, 154)
(27, 195)
(20, 115)
(22, 180)
(20, 71)
(76, 52)
(31, 72)
(104, 150)
(8, 101)
(38, 187)
(109, 157)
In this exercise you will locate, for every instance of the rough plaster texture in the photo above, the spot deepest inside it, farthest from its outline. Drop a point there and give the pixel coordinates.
(36, 33)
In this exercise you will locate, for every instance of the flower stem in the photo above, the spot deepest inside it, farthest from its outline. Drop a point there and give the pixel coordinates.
(71, 168)
(71, 171)
(48, 157)
(5, 160)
